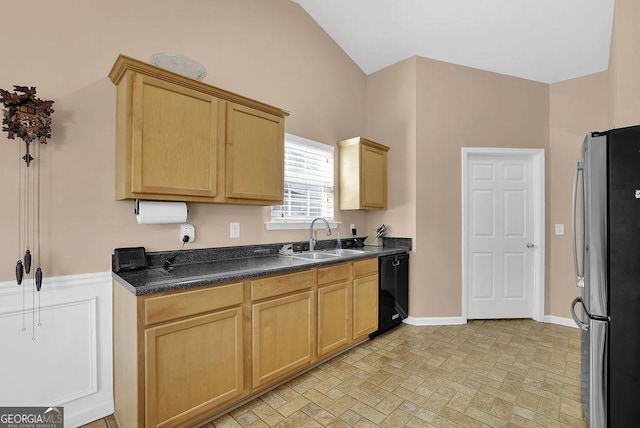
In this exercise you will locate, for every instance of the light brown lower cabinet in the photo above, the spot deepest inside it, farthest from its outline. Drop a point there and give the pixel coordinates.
(282, 336)
(365, 297)
(335, 309)
(177, 356)
(192, 366)
(181, 357)
(282, 310)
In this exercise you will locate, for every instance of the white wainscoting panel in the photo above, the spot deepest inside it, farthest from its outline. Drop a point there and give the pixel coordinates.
(61, 354)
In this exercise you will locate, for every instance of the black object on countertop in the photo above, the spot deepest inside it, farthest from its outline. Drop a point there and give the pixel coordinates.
(393, 297)
(130, 258)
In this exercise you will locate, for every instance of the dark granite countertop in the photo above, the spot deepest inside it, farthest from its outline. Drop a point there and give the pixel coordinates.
(194, 268)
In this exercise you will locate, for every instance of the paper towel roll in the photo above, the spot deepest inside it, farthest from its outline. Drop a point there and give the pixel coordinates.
(154, 212)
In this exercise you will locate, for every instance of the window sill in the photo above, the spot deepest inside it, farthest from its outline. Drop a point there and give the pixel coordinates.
(298, 225)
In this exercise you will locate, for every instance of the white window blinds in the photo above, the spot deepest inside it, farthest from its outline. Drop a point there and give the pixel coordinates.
(308, 181)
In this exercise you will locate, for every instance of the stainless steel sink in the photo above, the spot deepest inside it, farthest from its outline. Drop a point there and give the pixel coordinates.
(343, 252)
(324, 254)
(314, 255)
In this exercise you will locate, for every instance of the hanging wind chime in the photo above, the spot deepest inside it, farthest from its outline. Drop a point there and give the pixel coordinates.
(28, 118)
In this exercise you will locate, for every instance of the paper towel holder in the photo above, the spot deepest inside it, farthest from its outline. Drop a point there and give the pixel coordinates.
(136, 206)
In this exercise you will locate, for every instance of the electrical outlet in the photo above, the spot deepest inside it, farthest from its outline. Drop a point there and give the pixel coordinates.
(189, 230)
(559, 229)
(234, 230)
(353, 229)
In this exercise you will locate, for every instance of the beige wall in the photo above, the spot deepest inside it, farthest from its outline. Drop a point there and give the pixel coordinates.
(391, 112)
(391, 120)
(624, 65)
(458, 106)
(577, 106)
(449, 107)
(270, 50)
(462, 107)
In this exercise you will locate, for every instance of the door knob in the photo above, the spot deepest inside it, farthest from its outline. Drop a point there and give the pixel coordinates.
(530, 245)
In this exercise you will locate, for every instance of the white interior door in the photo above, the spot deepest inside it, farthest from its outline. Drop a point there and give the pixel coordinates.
(500, 236)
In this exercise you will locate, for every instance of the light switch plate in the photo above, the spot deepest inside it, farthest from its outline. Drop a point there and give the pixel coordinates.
(559, 229)
(234, 230)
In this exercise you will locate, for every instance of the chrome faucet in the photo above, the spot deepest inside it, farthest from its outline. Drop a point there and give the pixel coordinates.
(313, 234)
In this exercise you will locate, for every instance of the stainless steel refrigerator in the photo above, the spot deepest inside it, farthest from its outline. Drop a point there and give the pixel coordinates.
(606, 244)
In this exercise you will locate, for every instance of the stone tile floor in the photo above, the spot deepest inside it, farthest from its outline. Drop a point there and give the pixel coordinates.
(502, 373)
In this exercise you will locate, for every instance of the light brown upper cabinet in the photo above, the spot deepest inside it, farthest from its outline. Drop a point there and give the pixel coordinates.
(178, 139)
(363, 174)
(255, 154)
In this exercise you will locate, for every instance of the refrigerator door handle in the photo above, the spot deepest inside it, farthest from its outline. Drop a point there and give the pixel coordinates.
(576, 267)
(577, 320)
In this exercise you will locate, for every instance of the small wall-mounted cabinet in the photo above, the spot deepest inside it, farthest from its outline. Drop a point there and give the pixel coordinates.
(181, 139)
(363, 174)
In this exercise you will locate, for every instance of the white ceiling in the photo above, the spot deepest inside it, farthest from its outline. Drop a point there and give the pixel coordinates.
(543, 40)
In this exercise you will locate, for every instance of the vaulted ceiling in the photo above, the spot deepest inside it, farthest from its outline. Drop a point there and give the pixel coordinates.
(542, 40)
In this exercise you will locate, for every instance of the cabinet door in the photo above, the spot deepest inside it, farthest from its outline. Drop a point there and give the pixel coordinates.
(334, 317)
(365, 305)
(255, 155)
(174, 139)
(282, 336)
(373, 178)
(192, 366)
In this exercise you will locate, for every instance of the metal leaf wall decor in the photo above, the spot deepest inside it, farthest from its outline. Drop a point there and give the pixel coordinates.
(29, 119)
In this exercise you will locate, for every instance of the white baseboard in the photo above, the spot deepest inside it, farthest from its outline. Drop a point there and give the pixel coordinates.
(435, 321)
(69, 363)
(421, 321)
(567, 322)
(85, 416)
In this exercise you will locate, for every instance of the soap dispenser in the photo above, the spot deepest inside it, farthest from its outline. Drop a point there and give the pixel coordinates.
(338, 242)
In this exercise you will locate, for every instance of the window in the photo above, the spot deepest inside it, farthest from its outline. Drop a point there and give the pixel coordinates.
(308, 181)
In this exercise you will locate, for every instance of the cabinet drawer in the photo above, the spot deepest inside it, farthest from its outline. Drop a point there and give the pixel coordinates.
(329, 274)
(187, 303)
(281, 284)
(365, 267)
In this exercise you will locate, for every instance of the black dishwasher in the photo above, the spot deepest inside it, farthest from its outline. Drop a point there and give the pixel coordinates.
(393, 296)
